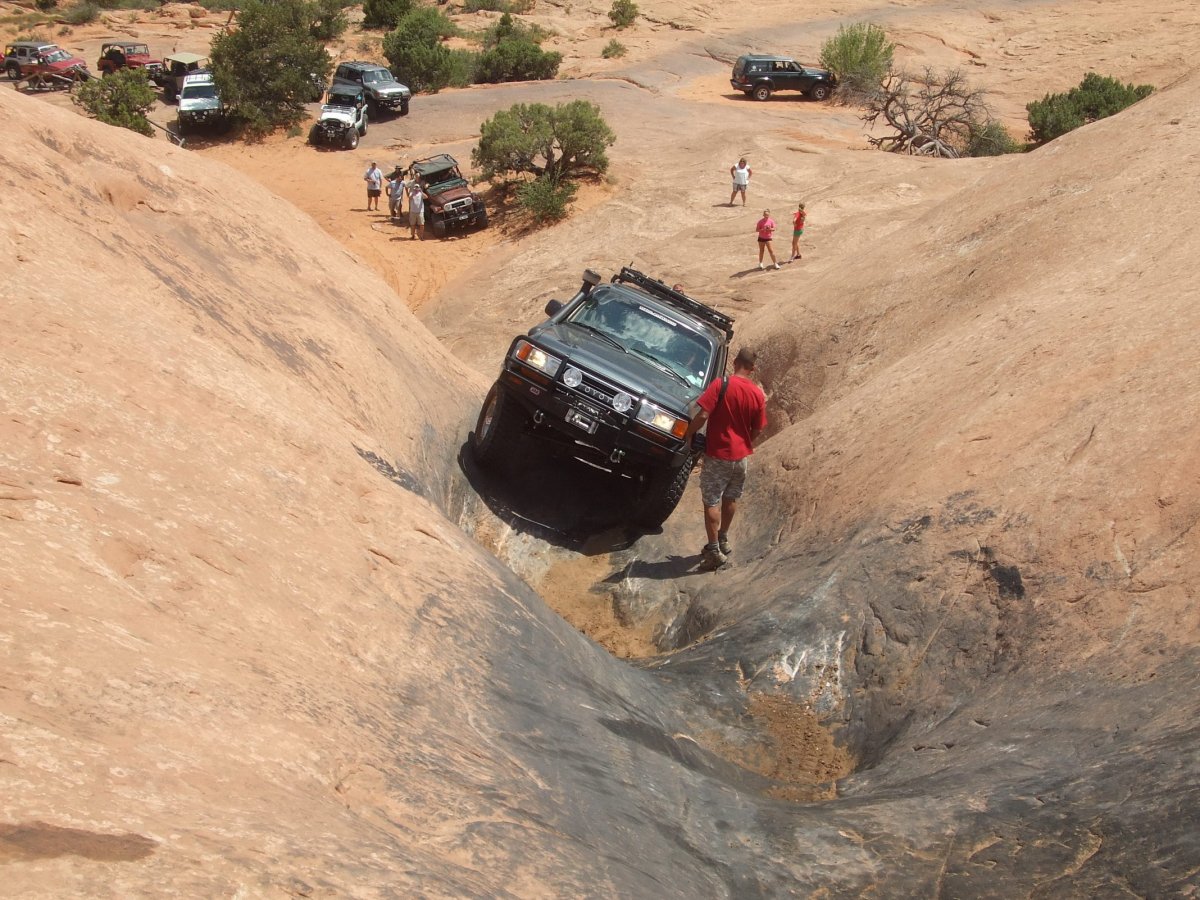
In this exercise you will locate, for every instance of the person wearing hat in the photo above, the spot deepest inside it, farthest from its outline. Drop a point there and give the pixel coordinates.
(374, 179)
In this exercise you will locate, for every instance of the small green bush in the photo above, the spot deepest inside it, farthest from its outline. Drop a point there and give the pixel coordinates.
(385, 13)
(516, 60)
(221, 5)
(121, 99)
(860, 55)
(81, 13)
(504, 6)
(993, 139)
(623, 13)
(329, 22)
(614, 49)
(46, 5)
(546, 198)
(508, 28)
(415, 51)
(1096, 97)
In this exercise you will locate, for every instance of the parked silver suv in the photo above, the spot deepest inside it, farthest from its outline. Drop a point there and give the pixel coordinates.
(384, 92)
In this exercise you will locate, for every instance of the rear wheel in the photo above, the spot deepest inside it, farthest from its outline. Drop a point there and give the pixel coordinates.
(663, 492)
(819, 91)
(498, 427)
(761, 92)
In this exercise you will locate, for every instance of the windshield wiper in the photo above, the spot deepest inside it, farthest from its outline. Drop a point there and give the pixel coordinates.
(663, 366)
(596, 331)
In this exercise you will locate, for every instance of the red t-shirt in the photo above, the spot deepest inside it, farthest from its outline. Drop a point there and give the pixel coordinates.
(743, 410)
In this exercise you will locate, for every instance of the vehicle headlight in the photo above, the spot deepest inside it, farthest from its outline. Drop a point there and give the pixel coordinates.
(537, 358)
(661, 420)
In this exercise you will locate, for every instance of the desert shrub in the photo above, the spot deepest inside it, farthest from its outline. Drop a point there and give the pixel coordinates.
(504, 6)
(993, 139)
(930, 114)
(81, 13)
(263, 64)
(614, 49)
(121, 99)
(546, 198)
(415, 51)
(512, 54)
(623, 13)
(516, 60)
(331, 22)
(860, 55)
(385, 13)
(460, 68)
(221, 5)
(1096, 97)
(46, 5)
(560, 142)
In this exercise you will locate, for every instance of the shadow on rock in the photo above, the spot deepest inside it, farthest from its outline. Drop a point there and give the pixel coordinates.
(546, 493)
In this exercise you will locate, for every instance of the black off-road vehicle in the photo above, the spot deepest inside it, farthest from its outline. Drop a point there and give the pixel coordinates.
(759, 76)
(613, 376)
(450, 201)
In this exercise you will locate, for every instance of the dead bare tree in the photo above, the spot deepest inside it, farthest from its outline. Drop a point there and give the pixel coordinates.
(929, 114)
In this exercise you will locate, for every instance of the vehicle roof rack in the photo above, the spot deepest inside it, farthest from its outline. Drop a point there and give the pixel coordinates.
(676, 298)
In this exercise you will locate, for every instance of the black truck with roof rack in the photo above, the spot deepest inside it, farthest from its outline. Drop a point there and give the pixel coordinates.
(612, 375)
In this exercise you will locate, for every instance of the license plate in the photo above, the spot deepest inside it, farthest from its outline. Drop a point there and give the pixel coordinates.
(581, 420)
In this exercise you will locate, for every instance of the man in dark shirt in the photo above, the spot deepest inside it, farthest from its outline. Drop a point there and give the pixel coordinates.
(736, 413)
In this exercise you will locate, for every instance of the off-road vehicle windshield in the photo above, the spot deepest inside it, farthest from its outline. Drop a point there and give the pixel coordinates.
(199, 92)
(342, 100)
(372, 76)
(616, 314)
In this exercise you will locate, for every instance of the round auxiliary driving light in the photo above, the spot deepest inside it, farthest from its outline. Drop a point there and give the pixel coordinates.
(622, 403)
(572, 378)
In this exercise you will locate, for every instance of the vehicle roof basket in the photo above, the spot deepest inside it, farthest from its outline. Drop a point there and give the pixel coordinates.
(676, 298)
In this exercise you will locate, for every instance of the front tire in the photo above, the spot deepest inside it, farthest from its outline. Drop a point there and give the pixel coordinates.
(761, 92)
(819, 91)
(482, 220)
(404, 108)
(314, 136)
(497, 429)
(363, 129)
(351, 139)
(14, 73)
(663, 492)
(439, 228)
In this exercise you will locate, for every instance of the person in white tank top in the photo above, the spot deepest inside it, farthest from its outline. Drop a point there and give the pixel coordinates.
(740, 174)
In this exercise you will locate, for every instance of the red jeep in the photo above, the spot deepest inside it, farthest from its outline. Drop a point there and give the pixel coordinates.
(132, 54)
(43, 62)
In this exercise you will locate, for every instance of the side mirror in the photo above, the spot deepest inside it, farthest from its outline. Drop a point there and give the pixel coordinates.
(554, 306)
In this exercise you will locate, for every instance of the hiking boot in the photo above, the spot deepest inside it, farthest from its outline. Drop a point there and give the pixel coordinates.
(723, 544)
(712, 558)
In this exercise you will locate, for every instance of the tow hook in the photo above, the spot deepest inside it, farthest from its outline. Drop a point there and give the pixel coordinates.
(538, 416)
(616, 456)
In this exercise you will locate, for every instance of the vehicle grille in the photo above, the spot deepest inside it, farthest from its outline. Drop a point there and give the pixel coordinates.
(599, 394)
(460, 205)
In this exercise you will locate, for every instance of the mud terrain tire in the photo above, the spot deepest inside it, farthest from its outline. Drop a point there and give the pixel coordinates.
(663, 492)
(497, 429)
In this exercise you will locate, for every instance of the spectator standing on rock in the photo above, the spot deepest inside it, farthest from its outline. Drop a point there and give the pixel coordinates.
(416, 209)
(374, 179)
(740, 174)
(766, 231)
(797, 230)
(736, 413)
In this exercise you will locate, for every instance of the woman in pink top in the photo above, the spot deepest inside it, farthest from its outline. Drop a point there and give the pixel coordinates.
(766, 230)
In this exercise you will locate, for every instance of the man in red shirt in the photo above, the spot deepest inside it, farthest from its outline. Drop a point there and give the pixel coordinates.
(736, 412)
